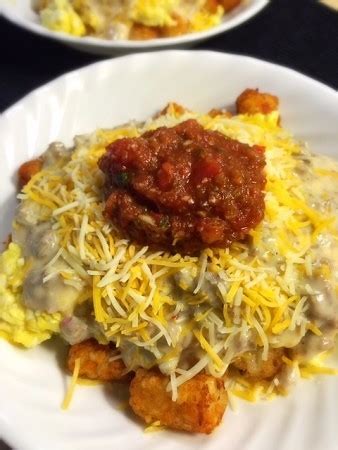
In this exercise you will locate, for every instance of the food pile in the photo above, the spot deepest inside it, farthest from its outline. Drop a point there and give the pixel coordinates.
(193, 256)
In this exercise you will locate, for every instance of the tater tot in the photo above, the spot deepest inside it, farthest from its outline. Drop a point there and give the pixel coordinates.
(252, 365)
(251, 101)
(199, 407)
(143, 33)
(171, 108)
(96, 363)
(211, 6)
(228, 5)
(219, 112)
(181, 27)
(27, 170)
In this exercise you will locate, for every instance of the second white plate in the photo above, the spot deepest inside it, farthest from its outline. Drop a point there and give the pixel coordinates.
(21, 13)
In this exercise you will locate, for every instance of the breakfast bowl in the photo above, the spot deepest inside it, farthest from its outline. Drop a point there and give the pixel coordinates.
(73, 195)
(25, 14)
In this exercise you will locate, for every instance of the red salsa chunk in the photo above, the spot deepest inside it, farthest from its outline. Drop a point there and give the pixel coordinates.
(184, 188)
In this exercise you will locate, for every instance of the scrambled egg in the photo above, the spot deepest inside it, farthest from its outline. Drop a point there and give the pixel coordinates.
(59, 15)
(154, 13)
(17, 324)
(93, 14)
(203, 20)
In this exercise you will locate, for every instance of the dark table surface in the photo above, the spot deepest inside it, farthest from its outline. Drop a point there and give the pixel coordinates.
(301, 34)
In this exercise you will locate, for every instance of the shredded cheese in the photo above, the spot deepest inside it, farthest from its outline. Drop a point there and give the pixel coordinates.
(156, 301)
(154, 427)
(70, 392)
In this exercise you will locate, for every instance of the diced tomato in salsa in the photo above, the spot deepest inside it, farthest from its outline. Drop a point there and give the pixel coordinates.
(184, 188)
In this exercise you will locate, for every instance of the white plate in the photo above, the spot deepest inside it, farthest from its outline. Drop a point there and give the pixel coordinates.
(21, 13)
(106, 94)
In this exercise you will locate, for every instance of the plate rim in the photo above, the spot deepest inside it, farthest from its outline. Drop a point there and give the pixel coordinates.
(9, 13)
(155, 54)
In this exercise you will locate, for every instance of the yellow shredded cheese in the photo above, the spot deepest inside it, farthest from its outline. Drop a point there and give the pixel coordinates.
(207, 347)
(70, 391)
(154, 427)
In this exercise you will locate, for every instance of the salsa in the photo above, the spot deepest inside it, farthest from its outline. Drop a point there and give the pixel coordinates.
(184, 188)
